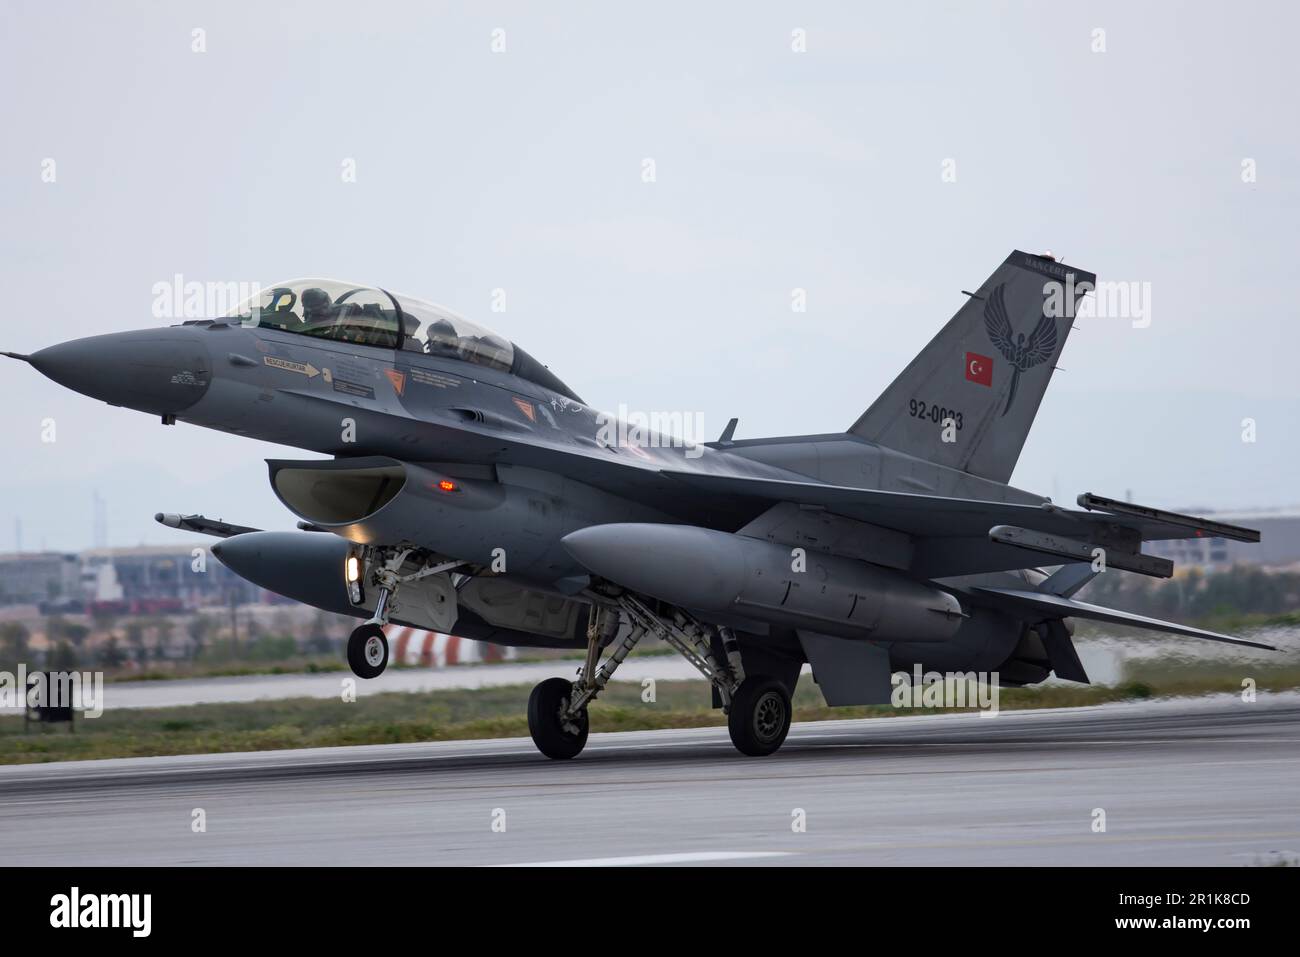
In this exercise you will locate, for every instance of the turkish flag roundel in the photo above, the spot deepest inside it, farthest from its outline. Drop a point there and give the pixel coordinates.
(979, 368)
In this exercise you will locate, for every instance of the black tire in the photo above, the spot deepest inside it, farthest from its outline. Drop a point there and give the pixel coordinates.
(553, 739)
(367, 658)
(760, 715)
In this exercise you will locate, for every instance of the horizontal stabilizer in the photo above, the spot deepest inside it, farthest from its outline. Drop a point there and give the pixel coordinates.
(1055, 606)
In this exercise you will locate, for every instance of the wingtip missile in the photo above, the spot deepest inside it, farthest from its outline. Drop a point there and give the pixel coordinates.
(202, 525)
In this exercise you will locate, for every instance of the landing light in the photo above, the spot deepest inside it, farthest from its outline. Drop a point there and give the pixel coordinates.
(352, 574)
(447, 486)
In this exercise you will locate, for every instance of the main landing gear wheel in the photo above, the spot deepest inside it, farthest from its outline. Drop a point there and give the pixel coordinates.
(555, 735)
(760, 716)
(368, 651)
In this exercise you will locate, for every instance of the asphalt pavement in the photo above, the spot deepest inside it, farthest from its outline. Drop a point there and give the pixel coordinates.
(1210, 781)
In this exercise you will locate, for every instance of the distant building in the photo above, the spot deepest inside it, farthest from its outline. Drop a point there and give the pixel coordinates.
(149, 579)
(32, 578)
(160, 578)
(1279, 543)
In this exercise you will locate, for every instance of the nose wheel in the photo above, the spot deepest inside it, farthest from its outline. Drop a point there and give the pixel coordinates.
(368, 651)
(367, 646)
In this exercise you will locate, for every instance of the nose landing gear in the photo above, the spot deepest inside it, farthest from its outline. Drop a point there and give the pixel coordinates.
(368, 650)
(367, 646)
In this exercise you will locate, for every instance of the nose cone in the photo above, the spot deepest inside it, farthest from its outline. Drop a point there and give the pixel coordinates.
(162, 371)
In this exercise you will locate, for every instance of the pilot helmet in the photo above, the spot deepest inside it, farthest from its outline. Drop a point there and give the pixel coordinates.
(441, 329)
(315, 300)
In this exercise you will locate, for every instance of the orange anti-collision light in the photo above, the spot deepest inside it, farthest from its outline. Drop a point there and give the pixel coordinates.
(447, 485)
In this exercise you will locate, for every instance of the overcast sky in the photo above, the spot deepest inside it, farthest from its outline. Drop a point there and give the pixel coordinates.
(774, 170)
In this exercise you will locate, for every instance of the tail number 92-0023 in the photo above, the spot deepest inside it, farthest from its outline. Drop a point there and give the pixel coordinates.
(935, 413)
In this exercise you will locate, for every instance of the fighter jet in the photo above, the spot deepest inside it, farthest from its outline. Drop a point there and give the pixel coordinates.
(468, 489)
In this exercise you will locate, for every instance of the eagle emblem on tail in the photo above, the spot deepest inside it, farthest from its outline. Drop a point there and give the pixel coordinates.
(1023, 353)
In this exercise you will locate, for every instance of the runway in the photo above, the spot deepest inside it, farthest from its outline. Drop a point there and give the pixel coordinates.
(1102, 656)
(245, 688)
(1210, 781)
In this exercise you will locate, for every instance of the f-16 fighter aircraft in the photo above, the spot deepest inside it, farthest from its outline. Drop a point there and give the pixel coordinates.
(469, 490)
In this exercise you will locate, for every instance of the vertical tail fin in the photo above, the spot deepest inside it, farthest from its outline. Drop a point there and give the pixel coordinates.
(985, 372)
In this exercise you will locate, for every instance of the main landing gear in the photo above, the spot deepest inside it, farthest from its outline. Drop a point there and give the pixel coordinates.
(557, 708)
(758, 707)
(759, 718)
(367, 646)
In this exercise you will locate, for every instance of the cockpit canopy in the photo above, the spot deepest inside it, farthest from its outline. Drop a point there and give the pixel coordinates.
(369, 316)
(440, 332)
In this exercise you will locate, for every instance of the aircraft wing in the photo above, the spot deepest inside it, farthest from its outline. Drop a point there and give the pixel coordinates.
(955, 536)
(938, 515)
(1057, 606)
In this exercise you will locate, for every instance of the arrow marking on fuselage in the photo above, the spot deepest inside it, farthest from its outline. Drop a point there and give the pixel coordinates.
(303, 368)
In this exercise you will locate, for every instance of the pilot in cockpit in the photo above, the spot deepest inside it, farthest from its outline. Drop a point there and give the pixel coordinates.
(316, 308)
(442, 339)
